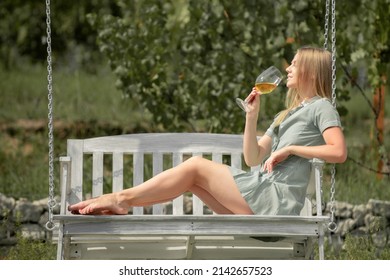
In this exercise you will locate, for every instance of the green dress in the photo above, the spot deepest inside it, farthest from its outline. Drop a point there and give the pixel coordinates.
(282, 192)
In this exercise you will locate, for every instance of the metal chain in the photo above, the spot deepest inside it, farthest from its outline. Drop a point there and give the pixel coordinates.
(333, 52)
(326, 27)
(332, 226)
(51, 202)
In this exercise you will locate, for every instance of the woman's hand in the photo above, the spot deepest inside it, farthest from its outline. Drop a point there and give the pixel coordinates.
(275, 158)
(253, 100)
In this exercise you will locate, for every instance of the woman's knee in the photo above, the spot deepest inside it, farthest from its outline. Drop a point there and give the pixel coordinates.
(196, 165)
(196, 161)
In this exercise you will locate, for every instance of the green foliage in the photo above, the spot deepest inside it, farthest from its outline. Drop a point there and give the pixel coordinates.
(23, 31)
(186, 61)
(27, 249)
(363, 40)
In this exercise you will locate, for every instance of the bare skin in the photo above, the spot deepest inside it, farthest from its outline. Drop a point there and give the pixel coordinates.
(210, 181)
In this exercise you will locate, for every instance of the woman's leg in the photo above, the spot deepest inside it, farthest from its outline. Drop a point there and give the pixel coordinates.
(209, 200)
(211, 181)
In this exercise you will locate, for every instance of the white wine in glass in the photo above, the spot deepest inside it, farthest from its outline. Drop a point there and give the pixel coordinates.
(265, 83)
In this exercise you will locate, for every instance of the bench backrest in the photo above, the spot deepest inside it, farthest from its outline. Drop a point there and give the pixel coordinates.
(129, 155)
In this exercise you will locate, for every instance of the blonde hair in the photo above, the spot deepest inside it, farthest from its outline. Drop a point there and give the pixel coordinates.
(314, 72)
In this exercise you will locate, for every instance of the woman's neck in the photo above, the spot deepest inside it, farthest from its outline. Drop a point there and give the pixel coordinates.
(307, 95)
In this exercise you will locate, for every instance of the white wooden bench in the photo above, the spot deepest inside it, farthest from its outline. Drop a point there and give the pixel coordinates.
(176, 235)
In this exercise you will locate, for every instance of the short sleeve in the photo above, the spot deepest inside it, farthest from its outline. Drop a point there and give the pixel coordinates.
(326, 115)
(271, 130)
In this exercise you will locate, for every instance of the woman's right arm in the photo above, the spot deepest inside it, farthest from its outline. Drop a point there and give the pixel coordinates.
(254, 151)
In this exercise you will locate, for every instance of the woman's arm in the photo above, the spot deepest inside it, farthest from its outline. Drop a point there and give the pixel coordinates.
(334, 150)
(254, 151)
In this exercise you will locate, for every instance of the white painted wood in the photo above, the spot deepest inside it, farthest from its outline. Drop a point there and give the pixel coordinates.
(236, 160)
(157, 168)
(117, 172)
(318, 165)
(76, 153)
(217, 157)
(178, 203)
(176, 236)
(65, 178)
(289, 226)
(197, 204)
(138, 176)
(176, 247)
(165, 143)
(97, 174)
(65, 190)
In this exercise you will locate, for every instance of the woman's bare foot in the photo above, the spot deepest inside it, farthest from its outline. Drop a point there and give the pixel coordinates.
(103, 205)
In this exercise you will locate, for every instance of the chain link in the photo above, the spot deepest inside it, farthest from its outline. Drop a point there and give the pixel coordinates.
(51, 202)
(333, 52)
(326, 27)
(332, 226)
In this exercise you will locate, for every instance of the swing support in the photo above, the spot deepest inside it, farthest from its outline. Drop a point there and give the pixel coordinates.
(332, 226)
(51, 202)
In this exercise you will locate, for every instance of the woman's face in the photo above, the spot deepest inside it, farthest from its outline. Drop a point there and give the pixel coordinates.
(292, 73)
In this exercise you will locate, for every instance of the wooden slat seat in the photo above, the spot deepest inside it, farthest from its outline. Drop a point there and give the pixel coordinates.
(176, 235)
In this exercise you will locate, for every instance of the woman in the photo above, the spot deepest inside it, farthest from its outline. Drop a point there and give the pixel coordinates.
(309, 128)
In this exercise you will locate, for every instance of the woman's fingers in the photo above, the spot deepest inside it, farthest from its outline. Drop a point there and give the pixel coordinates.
(251, 96)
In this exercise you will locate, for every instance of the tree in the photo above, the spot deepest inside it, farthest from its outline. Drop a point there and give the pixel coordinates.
(363, 43)
(186, 61)
(23, 30)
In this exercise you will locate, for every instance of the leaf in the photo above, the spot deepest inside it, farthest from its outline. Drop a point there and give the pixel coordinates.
(358, 55)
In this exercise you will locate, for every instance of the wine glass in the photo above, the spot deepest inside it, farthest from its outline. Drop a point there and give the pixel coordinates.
(265, 83)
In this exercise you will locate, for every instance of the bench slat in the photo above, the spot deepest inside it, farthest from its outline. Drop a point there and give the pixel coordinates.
(287, 226)
(197, 204)
(97, 174)
(217, 157)
(178, 203)
(157, 168)
(138, 176)
(117, 172)
(172, 142)
(75, 151)
(236, 160)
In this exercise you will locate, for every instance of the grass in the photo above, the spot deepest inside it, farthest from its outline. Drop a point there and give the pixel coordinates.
(77, 96)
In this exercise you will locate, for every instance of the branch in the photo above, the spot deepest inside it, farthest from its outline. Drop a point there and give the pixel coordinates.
(369, 168)
(376, 112)
(354, 83)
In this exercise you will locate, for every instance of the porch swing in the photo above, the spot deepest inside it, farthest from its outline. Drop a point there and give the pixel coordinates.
(176, 235)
